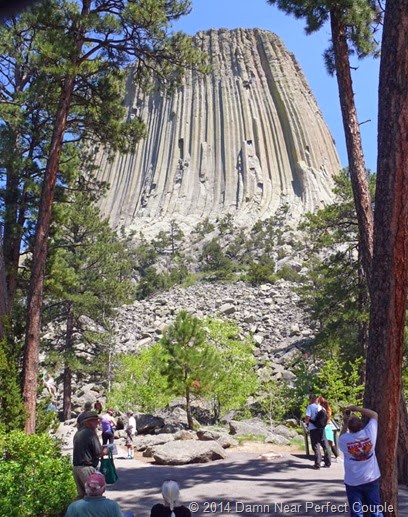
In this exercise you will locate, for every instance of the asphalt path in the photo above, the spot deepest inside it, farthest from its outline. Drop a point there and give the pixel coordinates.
(243, 484)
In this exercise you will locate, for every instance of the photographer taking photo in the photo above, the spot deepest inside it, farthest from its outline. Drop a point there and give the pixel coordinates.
(361, 471)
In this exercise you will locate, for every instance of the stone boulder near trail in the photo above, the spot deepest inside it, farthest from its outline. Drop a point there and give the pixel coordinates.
(185, 452)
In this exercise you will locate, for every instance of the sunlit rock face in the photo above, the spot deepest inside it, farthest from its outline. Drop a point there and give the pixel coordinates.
(243, 140)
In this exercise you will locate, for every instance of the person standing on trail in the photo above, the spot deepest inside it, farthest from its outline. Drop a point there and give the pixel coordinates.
(328, 430)
(87, 451)
(317, 436)
(130, 433)
(361, 470)
(108, 424)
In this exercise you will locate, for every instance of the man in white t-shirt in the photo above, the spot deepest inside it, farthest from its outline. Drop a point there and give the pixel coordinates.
(317, 436)
(361, 471)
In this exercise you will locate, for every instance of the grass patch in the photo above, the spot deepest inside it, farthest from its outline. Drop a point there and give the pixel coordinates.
(242, 438)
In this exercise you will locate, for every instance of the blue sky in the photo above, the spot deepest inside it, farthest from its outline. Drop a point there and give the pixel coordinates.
(231, 14)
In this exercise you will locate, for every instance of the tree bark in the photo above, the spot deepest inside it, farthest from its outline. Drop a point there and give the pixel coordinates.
(358, 176)
(188, 410)
(67, 378)
(390, 258)
(3, 292)
(402, 448)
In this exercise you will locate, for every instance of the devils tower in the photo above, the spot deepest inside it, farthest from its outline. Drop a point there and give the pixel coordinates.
(242, 140)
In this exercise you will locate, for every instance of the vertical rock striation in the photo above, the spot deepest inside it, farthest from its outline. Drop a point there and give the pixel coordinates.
(244, 140)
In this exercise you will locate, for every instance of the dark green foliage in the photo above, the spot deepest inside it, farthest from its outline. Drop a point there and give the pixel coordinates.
(145, 256)
(89, 275)
(260, 274)
(149, 283)
(359, 18)
(47, 417)
(226, 225)
(12, 413)
(339, 382)
(287, 272)
(213, 259)
(203, 228)
(36, 480)
(334, 290)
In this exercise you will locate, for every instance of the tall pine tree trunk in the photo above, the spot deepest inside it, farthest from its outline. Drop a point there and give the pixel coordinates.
(35, 295)
(3, 291)
(358, 176)
(390, 259)
(402, 447)
(188, 410)
(36, 290)
(67, 377)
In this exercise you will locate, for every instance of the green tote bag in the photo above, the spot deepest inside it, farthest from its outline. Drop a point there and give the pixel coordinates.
(108, 469)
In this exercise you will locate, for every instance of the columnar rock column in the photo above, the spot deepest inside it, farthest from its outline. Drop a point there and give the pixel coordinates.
(244, 140)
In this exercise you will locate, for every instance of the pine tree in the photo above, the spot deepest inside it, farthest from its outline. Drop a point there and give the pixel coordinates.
(89, 275)
(190, 362)
(81, 53)
(390, 262)
(334, 290)
(235, 380)
(352, 32)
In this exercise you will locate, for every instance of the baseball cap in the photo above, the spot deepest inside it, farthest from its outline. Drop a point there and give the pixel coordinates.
(95, 484)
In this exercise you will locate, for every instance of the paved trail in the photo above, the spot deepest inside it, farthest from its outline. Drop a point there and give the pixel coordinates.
(251, 485)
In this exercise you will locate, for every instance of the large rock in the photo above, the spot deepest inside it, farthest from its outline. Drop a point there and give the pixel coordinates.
(247, 138)
(253, 427)
(146, 424)
(184, 452)
(141, 443)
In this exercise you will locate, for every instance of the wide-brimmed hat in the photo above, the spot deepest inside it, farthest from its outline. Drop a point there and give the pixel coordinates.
(90, 415)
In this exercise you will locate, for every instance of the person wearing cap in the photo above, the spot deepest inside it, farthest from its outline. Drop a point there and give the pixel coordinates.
(87, 407)
(130, 433)
(87, 451)
(94, 503)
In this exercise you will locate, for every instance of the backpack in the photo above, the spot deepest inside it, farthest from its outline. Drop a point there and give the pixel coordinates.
(321, 419)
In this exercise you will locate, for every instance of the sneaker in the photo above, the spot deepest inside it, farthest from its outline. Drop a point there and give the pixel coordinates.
(316, 467)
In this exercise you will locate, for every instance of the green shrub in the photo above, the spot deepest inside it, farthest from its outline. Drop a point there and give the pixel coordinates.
(35, 479)
(260, 274)
(288, 273)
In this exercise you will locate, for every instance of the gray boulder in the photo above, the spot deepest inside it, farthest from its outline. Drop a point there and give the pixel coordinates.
(225, 440)
(284, 431)
(277, 439)
(185, 452)
(146, 424)
(253, 427)
(143, 442)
